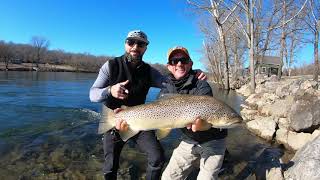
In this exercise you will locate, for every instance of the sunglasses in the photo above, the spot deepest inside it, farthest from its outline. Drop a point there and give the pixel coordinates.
(132, 42)
(174, 61)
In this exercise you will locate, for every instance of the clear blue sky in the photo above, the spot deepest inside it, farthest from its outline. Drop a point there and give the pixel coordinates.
(99, 27)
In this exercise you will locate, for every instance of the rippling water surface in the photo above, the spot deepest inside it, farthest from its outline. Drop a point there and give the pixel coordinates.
(48, 129)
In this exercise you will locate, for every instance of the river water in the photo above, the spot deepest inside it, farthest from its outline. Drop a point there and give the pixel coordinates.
(48, 130)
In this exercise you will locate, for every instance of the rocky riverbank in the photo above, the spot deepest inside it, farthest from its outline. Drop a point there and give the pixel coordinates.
(287, 112)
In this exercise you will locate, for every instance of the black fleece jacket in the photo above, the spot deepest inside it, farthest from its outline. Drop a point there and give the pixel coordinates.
(192, 85)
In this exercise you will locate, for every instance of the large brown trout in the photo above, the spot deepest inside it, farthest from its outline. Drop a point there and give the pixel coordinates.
(171, 112)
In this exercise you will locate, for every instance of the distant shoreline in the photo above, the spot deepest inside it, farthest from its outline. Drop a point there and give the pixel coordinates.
(42, 68)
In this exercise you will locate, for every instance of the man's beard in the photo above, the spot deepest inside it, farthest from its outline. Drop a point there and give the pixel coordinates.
(130, 58)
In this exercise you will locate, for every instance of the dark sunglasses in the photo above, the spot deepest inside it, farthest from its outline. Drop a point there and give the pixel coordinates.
(132, 42)
(174, 61)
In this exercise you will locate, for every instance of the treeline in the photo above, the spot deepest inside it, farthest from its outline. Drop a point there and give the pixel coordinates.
(306, 69)
(37, 53)
(28, 53)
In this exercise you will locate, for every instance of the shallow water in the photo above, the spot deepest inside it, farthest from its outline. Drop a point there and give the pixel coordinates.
(48, 130)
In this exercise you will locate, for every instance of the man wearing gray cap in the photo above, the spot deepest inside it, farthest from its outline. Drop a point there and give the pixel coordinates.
(126, 80)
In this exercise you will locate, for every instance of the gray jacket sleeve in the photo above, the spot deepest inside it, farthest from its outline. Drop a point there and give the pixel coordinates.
(98, 91)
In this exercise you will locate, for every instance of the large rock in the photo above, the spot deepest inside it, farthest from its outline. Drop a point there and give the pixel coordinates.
(273, 78)
(305, 112)
(278, 109)
(292, 140)
(306, 162)
(252, 100)
(248, 114)
(292, 105)
(260, 79)
(237, 83)
(295, 86)
(260, 89)
(264, 127)
(283, 90)
(308, 84)
(244, 90)
(283, 123)
(266, 99)
(271, 86)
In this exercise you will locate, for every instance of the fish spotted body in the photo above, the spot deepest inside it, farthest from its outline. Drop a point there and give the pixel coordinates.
(172, 112)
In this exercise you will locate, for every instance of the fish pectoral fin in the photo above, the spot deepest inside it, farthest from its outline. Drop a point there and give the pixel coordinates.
(162, 133)
(125, 135)
(124, 107)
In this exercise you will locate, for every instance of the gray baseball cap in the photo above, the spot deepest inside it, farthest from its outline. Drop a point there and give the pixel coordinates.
(138, 35)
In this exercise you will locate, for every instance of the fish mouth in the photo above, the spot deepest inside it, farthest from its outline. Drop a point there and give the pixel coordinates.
(227, 124)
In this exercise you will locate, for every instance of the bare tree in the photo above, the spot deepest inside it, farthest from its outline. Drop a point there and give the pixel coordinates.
(264, 29)
(220, 16)
(289, 9)
(248, 30)
(214, 64)
(294, 40)
(40, 45)
(5, 54)
(212, 52)
(283, 38)
(237, 48)
(313, 23)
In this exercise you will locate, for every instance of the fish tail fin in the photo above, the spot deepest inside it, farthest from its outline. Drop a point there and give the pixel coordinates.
(107, 121)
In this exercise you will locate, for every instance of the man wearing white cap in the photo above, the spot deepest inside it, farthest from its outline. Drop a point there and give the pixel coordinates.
(125, 80)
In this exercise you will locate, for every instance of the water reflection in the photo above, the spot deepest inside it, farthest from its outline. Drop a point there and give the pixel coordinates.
(230, 97)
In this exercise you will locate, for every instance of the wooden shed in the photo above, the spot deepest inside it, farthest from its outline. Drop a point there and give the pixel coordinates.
(268, 65)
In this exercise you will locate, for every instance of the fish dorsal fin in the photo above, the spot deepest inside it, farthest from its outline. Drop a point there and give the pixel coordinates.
(162, 133)
(125, 135)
